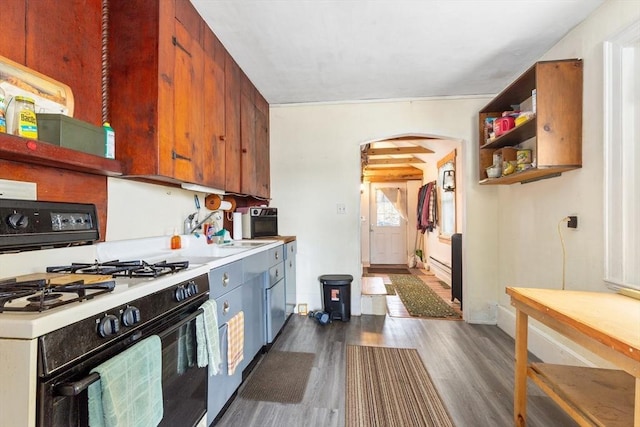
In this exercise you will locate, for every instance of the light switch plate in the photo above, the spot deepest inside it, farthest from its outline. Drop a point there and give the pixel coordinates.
(20, 190)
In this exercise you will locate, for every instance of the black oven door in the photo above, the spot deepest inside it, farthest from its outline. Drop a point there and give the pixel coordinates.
(62, 400)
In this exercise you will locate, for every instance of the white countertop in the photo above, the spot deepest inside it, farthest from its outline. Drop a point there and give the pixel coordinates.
(30, 325)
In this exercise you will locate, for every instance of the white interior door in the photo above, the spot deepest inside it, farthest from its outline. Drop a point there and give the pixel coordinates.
(388, 225)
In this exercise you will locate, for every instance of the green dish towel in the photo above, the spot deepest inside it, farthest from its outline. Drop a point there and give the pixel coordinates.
(129, 392)
(208, 339)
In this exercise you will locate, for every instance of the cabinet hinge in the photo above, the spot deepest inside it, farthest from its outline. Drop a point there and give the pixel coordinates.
(175, 156)
(176, 43)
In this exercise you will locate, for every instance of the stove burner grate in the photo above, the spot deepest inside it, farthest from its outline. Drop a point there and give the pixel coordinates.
(117, 268)
(41, 295)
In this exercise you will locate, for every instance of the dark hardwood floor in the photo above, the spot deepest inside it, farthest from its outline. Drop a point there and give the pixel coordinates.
(471, 366)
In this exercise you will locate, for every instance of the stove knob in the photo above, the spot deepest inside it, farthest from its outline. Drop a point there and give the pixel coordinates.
(130, 316)
(109, 325)
(18, 221)
(181, 294)
(193, 288)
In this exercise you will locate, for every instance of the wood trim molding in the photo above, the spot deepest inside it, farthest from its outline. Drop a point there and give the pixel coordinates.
(451, 157)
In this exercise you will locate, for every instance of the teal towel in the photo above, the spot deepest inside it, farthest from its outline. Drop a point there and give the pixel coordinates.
(129, 392)
(207, 337)
(186, 348)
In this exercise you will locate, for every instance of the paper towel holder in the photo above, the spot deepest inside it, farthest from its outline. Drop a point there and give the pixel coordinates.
(214, 202)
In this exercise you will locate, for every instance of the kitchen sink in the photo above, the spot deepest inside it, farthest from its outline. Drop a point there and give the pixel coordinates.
(198, 252)
(245, 244)
(213, 251)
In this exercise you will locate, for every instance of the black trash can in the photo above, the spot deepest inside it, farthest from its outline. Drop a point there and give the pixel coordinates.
(336, 289)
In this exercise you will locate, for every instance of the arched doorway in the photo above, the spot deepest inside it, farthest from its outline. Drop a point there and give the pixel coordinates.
(393, 170)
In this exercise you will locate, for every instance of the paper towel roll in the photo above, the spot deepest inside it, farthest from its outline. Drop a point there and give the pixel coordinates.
(213, 202)
(224, 206)
(237, 225)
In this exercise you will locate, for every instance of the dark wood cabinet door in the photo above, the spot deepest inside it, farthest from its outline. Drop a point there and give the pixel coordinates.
(248, 137)
(262, 159)
(214, 144)
(232, 125)
(185, 163)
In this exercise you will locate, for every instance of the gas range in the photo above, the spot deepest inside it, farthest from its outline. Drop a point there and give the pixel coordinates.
(69, 304)
(76, 282)
(46, 297)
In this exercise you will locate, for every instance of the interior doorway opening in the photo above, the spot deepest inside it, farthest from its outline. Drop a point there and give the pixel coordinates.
(396, 172)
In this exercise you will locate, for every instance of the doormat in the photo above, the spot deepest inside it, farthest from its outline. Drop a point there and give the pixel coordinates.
(391, 387)
(281, 377)
(388, 270)
(419, 299)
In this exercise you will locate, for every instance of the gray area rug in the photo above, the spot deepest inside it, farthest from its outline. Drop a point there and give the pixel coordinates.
(281, 377)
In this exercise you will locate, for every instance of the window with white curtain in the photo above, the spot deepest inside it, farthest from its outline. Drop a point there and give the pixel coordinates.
(622, 158)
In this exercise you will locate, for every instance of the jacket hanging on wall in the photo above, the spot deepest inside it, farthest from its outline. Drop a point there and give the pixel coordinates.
(427, 207)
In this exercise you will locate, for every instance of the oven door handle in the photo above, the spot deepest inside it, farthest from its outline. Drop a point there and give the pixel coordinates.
(181, 323)
(76, 387)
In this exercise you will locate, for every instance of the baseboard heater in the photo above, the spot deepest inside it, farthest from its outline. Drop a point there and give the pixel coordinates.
(440, 265)
(440, 269)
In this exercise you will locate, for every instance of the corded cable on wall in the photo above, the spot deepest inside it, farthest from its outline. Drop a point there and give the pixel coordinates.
(564, 261)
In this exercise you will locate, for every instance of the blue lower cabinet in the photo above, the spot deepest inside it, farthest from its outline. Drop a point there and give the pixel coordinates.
(223, 385)
(254, 317)
(275, 302)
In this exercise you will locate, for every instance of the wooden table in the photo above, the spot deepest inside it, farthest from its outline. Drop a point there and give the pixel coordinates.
(606, 324)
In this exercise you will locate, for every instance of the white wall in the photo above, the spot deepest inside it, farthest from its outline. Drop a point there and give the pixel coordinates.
(315, 164)
(529, 252)
(137, 209)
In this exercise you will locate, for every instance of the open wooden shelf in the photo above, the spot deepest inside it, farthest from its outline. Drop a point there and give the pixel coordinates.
(592, 396)
(17, 149)
(514, 136)
(552, 90)
(529, 175)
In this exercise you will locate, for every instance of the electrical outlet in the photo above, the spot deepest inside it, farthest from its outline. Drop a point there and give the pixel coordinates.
(341, 208)
(573, 222)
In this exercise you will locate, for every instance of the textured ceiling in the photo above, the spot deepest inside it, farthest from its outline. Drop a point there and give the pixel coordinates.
(300, 51)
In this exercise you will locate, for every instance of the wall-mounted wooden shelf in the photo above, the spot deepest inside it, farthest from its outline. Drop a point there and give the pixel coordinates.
(17, 149)
(554, 134)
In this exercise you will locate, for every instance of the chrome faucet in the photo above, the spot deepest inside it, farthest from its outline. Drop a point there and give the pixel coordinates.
(191, 224)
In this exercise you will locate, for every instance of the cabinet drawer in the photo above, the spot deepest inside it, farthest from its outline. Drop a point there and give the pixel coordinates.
(290, 250)
(276, 273)
(225, 278)
(229, 305)
(276, 255)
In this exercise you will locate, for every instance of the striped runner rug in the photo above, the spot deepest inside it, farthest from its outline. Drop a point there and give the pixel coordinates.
(390, 387)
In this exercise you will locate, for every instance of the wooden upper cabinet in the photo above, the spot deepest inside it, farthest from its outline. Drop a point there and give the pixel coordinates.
(182, 108)
(186, 163)
(254, 117)
(248, 176)
(232, 75)
(263, 170)
(214, 139)
(156, 88)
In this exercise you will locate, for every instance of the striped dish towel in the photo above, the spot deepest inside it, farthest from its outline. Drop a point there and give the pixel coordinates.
(235, 334)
